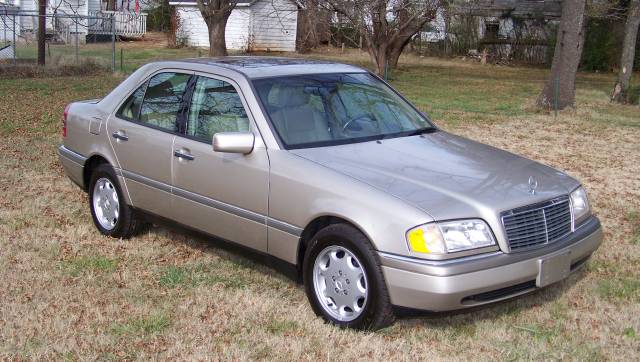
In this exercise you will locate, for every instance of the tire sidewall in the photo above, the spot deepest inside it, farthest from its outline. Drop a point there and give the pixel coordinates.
(106, 171)
(353, 240)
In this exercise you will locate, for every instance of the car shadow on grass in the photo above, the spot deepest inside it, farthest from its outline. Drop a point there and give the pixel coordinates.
(232, 252)
(261, 262)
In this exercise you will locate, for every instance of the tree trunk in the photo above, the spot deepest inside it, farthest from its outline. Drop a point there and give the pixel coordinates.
(566, 58)
(378, 55)
(619, 93)
(42, 30)
(396, 50)
(111, 5)
(382, 65)
(217, 41)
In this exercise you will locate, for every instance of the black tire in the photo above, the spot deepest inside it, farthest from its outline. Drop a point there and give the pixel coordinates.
(378, 311)
(128, 223)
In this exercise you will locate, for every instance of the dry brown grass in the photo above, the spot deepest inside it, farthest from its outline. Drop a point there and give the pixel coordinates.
(66, 292)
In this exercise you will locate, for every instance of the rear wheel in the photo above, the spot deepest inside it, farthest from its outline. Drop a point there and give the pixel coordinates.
(111, 214)
(344, 281)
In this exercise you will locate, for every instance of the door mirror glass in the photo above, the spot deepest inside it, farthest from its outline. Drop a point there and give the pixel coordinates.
(233, 142)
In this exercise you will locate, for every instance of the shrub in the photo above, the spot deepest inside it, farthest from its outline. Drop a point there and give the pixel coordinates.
(600, 46)
(633, 96)
(159, 18)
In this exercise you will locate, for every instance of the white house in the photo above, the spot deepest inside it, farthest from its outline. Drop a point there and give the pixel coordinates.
(254, 25)
(67, 19)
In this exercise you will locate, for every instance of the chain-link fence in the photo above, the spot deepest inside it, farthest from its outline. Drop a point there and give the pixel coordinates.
(70, 37)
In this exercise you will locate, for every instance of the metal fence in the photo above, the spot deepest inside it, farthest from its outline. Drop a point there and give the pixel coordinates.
(70, 37)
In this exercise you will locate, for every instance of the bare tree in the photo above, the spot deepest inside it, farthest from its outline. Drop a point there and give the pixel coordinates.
(216, 14)
(313, 25)
(566, 57)
(619, 93)
(387, 26)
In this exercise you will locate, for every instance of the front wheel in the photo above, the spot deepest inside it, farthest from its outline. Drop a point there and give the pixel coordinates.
(344, 281)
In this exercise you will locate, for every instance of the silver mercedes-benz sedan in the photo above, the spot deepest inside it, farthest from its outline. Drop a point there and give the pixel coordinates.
(325, 167)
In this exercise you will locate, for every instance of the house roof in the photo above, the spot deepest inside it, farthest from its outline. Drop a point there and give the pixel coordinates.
(549, 9)
(263, 67)
(240, 3)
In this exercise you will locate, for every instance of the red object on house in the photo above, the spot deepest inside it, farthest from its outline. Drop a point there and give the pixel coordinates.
(137, 7)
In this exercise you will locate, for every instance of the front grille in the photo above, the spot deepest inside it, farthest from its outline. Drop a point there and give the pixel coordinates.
(537, 224)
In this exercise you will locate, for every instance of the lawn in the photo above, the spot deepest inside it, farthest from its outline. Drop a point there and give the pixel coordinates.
(66, 292)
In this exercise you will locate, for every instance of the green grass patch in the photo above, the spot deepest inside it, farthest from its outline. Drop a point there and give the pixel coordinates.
(541, 333)
(634, 218)
(281, 327)
(620, 289)
(464, 330)
(89, 264)
(191, 276)
(151, 325)
(630, 333)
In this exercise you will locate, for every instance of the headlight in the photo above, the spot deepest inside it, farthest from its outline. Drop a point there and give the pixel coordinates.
(579, 205)
(449, 237)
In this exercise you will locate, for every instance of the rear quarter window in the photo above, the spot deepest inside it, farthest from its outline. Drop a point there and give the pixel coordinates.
(130, 109)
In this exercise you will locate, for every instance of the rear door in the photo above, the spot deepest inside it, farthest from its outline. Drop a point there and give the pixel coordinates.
(224, 194)
(142, 133)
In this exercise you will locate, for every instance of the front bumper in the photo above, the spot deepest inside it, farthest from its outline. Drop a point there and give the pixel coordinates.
(481, 279)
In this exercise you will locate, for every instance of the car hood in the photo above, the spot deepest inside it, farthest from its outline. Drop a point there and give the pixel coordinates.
(446, 176)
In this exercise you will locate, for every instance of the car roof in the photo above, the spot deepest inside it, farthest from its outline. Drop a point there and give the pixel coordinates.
(255, 67)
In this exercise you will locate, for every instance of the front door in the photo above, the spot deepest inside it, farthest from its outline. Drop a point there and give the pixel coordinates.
(142, 133)
(224, 194)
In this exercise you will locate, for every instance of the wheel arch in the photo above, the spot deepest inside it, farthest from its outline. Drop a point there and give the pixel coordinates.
(90, 164)
(314, 226)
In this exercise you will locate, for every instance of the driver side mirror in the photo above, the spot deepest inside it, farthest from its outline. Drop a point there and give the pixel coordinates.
(233, 142)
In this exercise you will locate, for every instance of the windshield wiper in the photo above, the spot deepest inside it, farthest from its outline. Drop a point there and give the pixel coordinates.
(421, 131)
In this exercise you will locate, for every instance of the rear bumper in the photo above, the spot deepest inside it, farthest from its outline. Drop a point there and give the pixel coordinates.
(487, 278)
(73, 164)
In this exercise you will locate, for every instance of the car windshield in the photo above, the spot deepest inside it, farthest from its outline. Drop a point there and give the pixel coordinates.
(328, 109)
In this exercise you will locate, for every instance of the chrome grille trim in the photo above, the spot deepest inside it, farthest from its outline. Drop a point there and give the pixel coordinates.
(539, 224)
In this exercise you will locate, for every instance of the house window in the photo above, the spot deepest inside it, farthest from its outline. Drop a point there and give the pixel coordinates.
(491, 29)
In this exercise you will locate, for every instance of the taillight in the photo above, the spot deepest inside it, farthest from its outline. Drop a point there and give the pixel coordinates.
(64, 120)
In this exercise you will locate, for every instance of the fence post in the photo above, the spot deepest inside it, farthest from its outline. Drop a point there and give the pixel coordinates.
(77, 34)
(386, 70)
(556, 95)
(13, 43)
(113, 43)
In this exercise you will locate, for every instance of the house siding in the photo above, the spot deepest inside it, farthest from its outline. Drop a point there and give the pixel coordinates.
(265, 25)
(6, 30)
(274, 25)
(62, 7)
(194, 29)
(94, 5)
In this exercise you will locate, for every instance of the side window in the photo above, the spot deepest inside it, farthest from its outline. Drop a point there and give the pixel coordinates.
(215, 107)
(131, 107)
(163, 100)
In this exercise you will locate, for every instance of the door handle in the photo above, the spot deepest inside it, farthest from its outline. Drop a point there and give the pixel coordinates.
(120, 136)
(183, 155)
